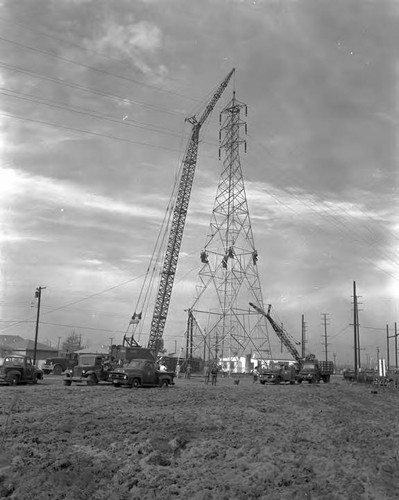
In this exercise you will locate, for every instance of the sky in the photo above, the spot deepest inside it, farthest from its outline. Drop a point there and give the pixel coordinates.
(93, 101)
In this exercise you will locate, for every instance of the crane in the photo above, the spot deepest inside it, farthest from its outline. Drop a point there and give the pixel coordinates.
(281, 334)
(169, 265)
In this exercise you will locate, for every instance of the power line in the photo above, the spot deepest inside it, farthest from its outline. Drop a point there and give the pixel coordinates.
(90, 90)
(86, 49)
(64, 306)
(96, 134)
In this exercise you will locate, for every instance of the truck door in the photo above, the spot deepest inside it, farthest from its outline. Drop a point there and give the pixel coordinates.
(98, 366)
(28, 369)
(148, 373)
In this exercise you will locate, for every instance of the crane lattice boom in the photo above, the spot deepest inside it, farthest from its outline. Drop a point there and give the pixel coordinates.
(178, 221)
(279, 331)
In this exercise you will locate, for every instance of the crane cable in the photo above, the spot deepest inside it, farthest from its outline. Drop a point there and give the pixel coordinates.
(155, 259)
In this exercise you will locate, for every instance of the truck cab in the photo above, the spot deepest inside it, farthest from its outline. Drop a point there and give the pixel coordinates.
(277, 373)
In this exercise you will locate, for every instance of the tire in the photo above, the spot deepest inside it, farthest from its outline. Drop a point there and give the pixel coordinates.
(299, 381)
(57, 370)
(35, 379)
(135, 383)
(91, 379)
(278, 381)
(14, 379)
(67, 382)
(164, 383)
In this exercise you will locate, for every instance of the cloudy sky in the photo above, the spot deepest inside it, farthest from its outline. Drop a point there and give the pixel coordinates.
(94, 94)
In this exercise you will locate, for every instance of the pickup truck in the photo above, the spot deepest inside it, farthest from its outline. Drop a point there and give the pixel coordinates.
(91, 369)
(141, 373)
(275, 374)
(18, 369)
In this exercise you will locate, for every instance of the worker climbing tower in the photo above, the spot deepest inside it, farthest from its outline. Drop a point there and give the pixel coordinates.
(229, 280)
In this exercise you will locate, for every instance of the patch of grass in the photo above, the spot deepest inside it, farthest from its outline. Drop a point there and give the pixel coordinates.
(9, 413)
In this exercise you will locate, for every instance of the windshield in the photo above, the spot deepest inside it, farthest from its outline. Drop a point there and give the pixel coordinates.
(87, 360)
(135, 363)
(308, 366)
(14, 360)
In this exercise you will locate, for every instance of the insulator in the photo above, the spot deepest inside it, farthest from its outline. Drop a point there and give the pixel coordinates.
(246, 110)
(219, 153)
(245, 146)
(246, 129)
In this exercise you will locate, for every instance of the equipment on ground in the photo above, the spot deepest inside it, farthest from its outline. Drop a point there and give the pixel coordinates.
(309, 368)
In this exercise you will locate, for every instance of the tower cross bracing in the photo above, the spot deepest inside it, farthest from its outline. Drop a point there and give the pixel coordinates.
(228, 277)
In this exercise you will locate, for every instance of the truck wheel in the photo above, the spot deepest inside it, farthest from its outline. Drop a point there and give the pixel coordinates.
(67, 382)
(299, 381)
(57, 370)
(165, 383)
(91, 379)
(14, 380)
(135, 383)
(278, 380)
(35, 379)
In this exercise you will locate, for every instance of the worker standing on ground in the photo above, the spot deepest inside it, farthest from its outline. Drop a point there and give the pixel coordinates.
(207, 373)
(214, 373)
(177, 370)
(188, 371)
(255, 373)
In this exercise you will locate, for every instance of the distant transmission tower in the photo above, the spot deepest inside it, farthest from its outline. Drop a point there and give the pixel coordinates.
(229, 277)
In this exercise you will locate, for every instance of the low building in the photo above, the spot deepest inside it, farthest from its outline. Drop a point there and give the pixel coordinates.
(14, 344)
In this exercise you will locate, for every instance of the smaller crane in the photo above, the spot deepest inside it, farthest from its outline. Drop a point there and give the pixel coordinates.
(281, 334)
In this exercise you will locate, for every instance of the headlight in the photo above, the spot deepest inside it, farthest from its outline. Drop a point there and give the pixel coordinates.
(125, 377)
(83, 372)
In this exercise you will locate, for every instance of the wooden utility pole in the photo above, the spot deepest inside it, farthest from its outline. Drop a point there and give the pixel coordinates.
(395, 336)
(38, 296)
(325, 336)
(355, 332)
(303, 336)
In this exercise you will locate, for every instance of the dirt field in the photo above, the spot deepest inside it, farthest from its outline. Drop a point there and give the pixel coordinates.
(192, 441)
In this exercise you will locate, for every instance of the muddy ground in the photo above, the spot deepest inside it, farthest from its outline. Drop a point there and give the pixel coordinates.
(192, 441)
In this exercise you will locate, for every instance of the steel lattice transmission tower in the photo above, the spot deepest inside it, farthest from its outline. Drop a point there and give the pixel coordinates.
(229, 277)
